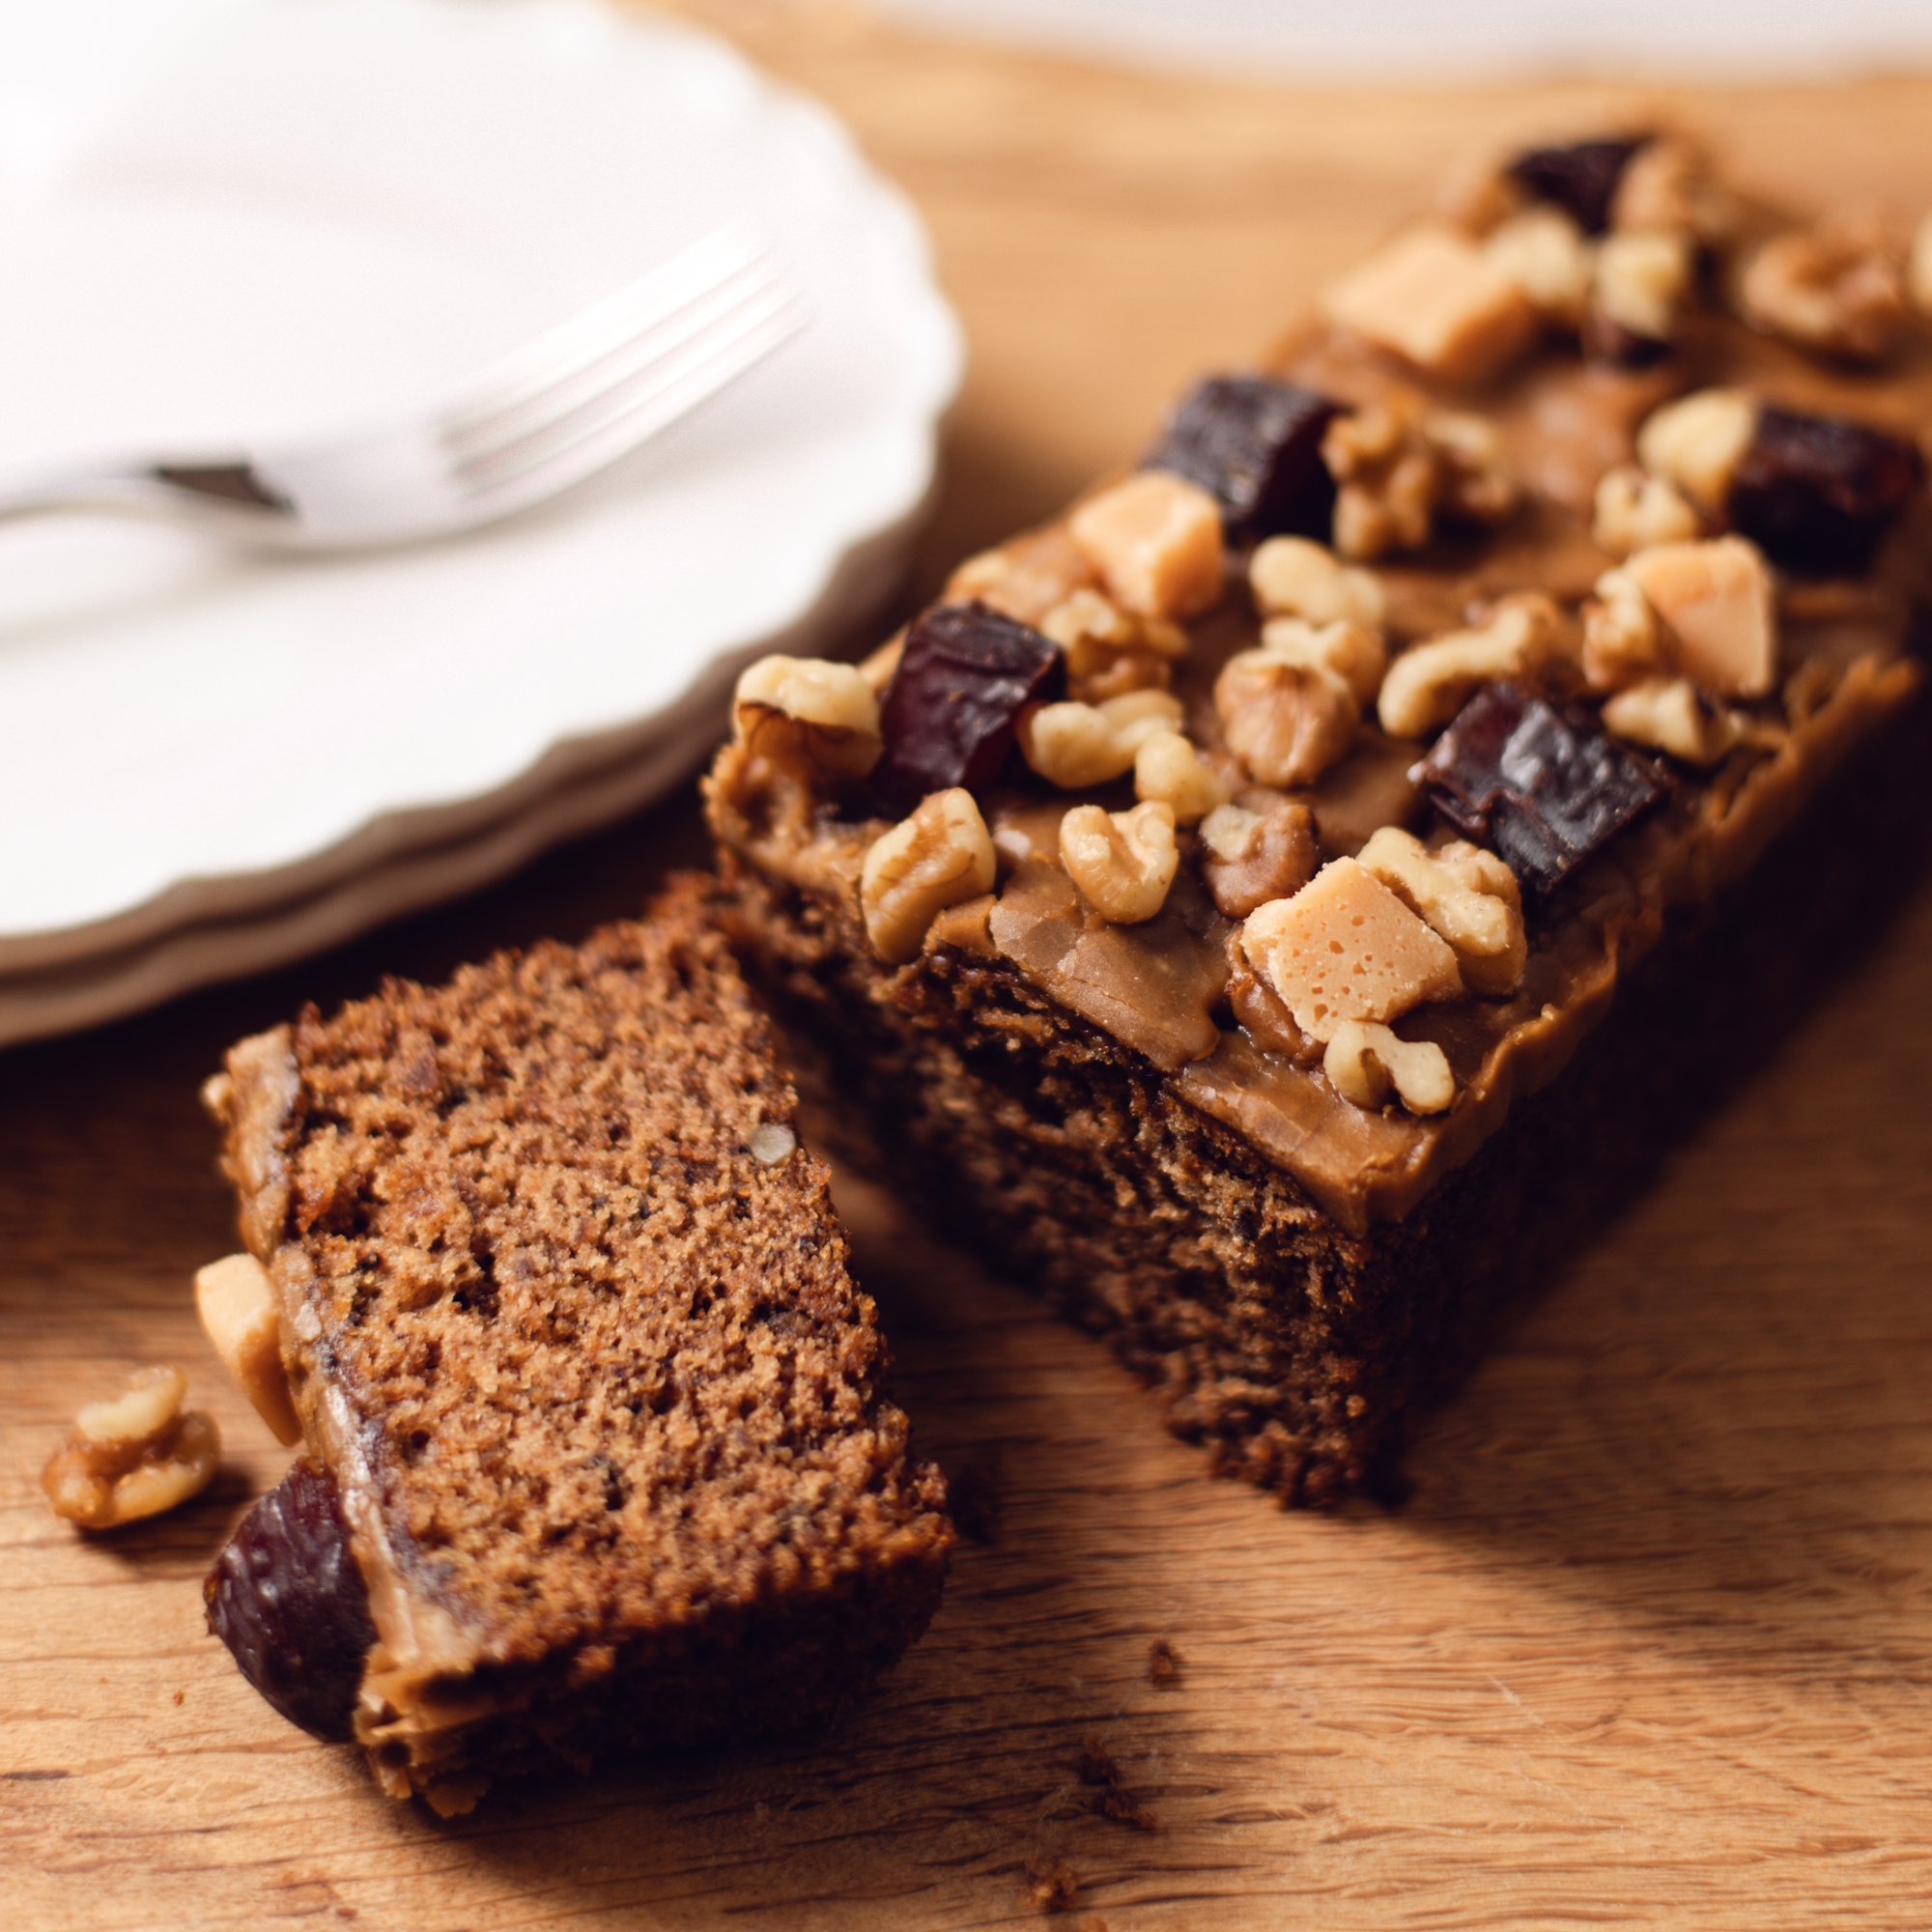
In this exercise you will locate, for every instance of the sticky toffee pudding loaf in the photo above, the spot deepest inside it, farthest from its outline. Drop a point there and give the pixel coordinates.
(1273, 905)
(595, 1452)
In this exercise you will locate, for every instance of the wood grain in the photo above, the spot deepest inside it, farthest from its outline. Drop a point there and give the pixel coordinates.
(1650, 1645)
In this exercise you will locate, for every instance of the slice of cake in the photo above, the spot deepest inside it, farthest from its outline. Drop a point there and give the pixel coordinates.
(1275, 905)
(596, 1452)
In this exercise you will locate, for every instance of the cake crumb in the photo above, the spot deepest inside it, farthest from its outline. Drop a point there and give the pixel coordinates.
(976, 1496)
(179, 1696)
(1098, 1767)
(1051, 1886)
(1163, 1665)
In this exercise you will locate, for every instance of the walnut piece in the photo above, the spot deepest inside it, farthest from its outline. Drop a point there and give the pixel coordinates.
(1835, 289)
(1426, 684)
(1633, 511)
(1467, 895)
(1111, 651)
(133, 1456)
(1169, 771)
(1716, 602)
(1546, 255)
(1073, 744)
(937, 858)
(1287, 722)
(1345, 947)
(1398, 465)
(1296, 576)
(237, 1311)
(1248, 857)
(1023, 578)
(1667, 186)
(1434, 298)
(1641, 282)
(1918, 268)
(1621, 638)
(1352, 652)
(812, 719)
(1123, 861)
(1671, 714)
(1156, 541)
(1364, 1061)
(1698, 442)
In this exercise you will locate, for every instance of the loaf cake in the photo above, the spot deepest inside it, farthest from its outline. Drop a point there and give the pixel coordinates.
(596, 1456)
(1274, 906)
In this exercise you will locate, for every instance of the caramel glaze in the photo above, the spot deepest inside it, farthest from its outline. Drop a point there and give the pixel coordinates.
(1163, 987)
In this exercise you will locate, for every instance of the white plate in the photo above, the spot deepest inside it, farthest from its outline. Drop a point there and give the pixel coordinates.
(267, 217)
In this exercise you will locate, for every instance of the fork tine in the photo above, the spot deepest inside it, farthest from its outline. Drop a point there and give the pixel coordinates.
(481, 432)
(543, 464)
(585, 338)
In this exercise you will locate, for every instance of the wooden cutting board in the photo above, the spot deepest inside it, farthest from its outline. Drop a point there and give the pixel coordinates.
(1652, 1643)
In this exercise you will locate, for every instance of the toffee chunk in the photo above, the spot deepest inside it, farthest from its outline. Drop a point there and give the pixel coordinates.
(1255, 445)
(1581, 177)
(951, 711)
(1816, 492)
(1543, 787)
(286, 1598)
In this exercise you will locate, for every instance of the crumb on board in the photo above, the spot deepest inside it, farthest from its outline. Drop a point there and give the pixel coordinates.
(1098, 1767)
(1051, 1886)
(1163, 1665)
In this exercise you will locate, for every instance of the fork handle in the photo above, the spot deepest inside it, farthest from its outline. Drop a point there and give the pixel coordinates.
(209, 496)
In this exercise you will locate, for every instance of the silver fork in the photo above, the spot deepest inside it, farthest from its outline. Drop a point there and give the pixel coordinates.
(550, 415)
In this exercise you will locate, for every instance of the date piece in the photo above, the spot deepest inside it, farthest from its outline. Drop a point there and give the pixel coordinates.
(1541, 786)
(1816, 492)
(1581, 177)
(286, 1598)
(951, 710)
(1255, 445)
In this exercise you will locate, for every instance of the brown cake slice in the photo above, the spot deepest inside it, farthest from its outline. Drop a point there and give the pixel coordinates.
(1274, 906)
(597, 1456)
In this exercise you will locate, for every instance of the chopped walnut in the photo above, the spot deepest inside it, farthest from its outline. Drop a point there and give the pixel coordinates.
(1171, 771)
(1633, 511)
(1642, 280)
(1667, 187)
(1919, 269)
(134, 1457)
(1073, 744)
(1546, 255)
(1287, 722)
(1466, 894)
(1426, 684)
(939, 857)
(1024, 578)
(1352, 652)
(1123, 861)
(1248, 857)
(1399, 464)
(1364, 1061)
(1698, 442)
(1434, 298)
(1296, 576)
(1835, 289)
(1110, 651)
(1156, 541)
(1345, 947)
(812, 719)
(1716, 602)
(1671, 714)
(1621, 639)
(237, 1306)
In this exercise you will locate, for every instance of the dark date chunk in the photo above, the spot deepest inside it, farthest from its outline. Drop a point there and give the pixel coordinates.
(1543, 787)
(286, 1598)
(1581, 177)
(1816, 492)
(1255, 445)
(948, 718)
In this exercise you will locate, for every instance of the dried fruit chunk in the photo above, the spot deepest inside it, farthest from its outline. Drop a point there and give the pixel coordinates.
(286, 1598)
(1579, 176)
(1345, 947)
(1542, 787)
(1816, 492)
(951, 711)
(1255, 445)
(1434, 298)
